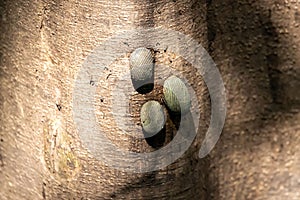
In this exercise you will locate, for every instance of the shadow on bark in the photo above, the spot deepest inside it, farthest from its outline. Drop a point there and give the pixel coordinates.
(234, 35)
(244, 32)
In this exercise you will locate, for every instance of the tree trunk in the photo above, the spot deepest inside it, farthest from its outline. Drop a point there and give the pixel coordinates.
(256, 46)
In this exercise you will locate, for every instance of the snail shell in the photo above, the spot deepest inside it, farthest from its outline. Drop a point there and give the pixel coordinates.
(142, 68)
(176, 95)
(152, 117)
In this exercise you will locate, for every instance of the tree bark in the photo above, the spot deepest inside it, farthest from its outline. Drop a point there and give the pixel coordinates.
(256, 46)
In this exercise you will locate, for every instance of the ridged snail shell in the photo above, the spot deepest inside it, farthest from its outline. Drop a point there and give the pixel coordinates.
(141, 67)
(152, 117)
(176, 95)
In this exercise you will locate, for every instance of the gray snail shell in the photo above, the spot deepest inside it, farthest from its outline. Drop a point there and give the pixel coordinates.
(142, 68)
(176, 95)
(152, 117)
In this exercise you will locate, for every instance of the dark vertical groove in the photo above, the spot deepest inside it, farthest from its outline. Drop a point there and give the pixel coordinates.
(211, 30)
(209, 187)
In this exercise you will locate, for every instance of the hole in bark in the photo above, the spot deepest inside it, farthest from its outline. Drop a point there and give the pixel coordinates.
(58, 106)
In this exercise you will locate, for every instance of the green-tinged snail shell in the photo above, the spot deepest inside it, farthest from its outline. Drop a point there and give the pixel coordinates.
(142, 68)
(152, 117)
(176, 95)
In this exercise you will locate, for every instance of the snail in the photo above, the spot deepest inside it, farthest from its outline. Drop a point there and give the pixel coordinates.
(142, 69)
(152, 117)
(176, 95)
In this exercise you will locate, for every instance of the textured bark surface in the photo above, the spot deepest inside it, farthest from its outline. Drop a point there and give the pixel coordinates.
(256, 46)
